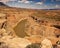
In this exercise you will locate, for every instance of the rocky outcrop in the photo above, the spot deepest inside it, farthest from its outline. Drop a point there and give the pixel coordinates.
(39, 24)
(46, 44)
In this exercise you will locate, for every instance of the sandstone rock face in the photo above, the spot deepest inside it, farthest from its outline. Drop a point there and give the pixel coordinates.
(39, 25)
(3, 45)
(16, 42)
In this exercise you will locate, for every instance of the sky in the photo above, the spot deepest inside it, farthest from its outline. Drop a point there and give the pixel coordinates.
(33, 3)
(44, 1)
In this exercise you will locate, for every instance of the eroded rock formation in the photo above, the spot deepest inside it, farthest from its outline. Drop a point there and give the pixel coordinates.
(21, 27)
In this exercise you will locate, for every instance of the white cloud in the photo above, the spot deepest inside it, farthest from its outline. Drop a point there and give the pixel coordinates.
(39, 3)
(25, 1)
(21, 1)
(57, 6)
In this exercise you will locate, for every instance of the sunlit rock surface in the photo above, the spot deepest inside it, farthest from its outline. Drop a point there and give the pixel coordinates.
(46, 44)
(21, 27)
(15, 42)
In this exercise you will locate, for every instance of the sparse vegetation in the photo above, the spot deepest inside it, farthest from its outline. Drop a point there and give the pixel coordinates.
(15, 14)
(34, 45)
(45, 16)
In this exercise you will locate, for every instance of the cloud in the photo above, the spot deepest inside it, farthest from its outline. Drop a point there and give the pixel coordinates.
(57, 6)
(40, 3)
(25, 1)
(21, 1)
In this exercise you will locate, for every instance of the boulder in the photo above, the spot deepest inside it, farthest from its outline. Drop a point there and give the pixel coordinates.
(46, 44)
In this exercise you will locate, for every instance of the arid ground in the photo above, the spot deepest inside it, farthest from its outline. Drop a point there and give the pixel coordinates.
(33, 25)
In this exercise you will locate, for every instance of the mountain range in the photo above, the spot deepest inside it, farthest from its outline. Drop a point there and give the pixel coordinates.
(2, 4)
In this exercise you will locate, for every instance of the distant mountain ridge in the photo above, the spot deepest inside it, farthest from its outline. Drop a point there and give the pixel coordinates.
(2, 4)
